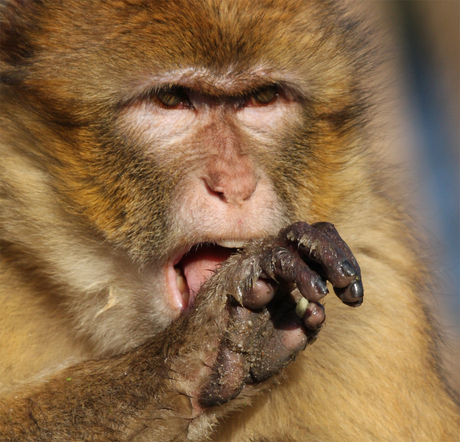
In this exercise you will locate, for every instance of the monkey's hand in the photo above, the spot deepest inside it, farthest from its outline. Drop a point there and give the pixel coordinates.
(250, 320)
(271, 313)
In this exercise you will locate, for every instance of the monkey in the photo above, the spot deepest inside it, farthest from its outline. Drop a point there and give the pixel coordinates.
(182, 184)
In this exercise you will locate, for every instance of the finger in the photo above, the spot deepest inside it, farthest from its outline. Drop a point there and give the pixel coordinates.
(284, 265)
(330, 231)
(351, 295)
(312, 313)
(260, 294)
(316, 246)
(313, 316)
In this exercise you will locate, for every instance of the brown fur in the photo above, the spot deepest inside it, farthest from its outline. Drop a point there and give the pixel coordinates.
(89, 216)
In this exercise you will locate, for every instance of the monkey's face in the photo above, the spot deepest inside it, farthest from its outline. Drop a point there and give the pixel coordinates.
(211, 157)
(178, 130)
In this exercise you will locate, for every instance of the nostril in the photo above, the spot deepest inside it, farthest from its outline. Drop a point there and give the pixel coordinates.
(215, 191)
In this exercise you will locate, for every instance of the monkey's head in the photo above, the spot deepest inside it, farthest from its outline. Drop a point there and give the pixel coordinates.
(163, 127)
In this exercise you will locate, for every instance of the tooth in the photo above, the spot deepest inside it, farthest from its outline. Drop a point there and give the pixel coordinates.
(231, 243)
(186, 296)
(181, 283)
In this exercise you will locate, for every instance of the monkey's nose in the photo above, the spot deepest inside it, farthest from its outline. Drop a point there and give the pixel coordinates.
(234, 187)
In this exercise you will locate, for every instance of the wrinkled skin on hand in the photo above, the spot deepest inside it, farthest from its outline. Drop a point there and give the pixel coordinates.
(262, 286)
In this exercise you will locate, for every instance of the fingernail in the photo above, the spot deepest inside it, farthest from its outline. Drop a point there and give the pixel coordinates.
(321, 286)
(348, 269)
(356, 290)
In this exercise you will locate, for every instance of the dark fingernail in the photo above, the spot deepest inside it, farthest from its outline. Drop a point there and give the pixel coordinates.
(354, 304)
(356, 290)
(348, 269)
(321, 286)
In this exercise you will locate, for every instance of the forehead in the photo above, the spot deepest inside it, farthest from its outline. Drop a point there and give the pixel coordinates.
(221, 34)
(224, 32)
(126, 45)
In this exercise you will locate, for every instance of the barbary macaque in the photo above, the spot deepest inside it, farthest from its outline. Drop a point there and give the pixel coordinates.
(182, 184)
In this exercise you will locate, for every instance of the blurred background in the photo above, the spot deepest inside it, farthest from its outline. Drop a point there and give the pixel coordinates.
(421, 116)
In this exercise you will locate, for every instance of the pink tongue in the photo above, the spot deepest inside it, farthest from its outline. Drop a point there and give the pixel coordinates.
(198, 266)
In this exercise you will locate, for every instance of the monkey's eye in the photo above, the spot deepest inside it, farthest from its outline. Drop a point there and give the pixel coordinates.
(265, 95)
(172, 97)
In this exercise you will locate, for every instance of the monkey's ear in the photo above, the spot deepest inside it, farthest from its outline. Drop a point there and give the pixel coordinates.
(18, 21)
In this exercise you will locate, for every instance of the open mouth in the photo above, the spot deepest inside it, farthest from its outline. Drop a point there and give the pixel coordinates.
(188, 272)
